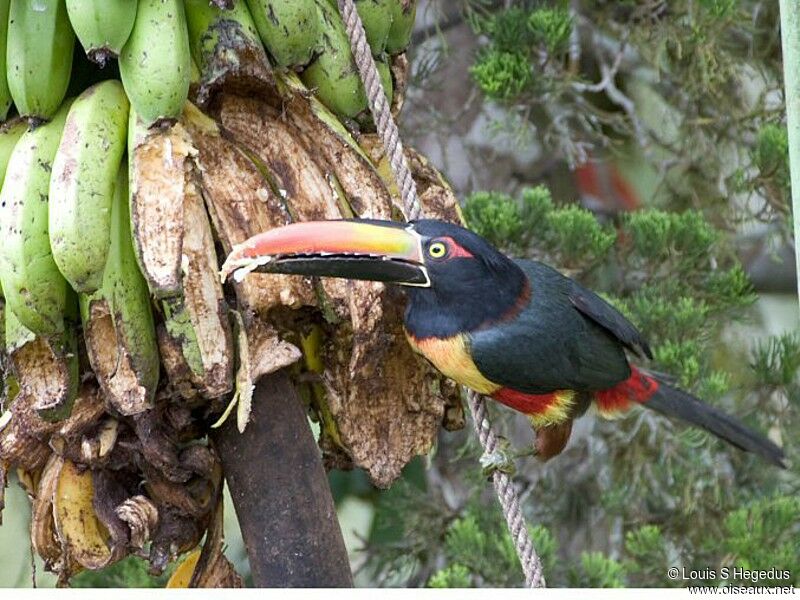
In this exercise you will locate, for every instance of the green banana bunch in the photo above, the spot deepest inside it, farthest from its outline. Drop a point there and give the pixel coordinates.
(403, 14)
(39, 56)
(155, 63)
(82, 184)
(102, 26)
(224, 42)
(333, 74)
(5, 93)
(290, 29)
(10, 132)
(129, 376)
(34, 288)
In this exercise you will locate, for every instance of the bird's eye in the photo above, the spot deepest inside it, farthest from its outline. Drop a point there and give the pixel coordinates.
(437, 250)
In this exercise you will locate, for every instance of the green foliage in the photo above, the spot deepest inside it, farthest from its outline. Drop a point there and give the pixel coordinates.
(771, 154)
(551, 27)
(502, 75)
(454, 576)
(765, 535)
(597, 571)
(130, 572)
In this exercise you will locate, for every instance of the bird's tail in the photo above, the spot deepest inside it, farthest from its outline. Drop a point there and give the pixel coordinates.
(653, 391)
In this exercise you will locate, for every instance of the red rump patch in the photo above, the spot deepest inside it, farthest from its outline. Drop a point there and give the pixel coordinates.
(529, 404)
(637, 388)
(455, 249)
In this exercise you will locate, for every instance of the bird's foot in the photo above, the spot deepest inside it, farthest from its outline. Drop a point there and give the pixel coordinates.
(501, 460)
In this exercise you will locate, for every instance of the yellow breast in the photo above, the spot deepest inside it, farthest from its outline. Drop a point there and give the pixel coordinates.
(451, 356)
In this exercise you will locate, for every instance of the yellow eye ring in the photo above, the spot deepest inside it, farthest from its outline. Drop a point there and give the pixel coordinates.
(437, 250)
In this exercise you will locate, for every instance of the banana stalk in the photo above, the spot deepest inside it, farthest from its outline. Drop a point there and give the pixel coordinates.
(118, 321)
(227, 49)
(102, 26)
(291, 31)
(39, 56)
(34, 288)
(82, 184)
(155, 63)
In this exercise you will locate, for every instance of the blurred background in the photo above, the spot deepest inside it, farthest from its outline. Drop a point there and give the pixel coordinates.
(640, 146)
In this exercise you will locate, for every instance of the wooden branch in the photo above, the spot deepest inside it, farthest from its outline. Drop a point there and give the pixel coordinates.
(790, 35)
(281, 494)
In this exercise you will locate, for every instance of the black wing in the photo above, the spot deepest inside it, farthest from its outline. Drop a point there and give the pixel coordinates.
(609, 318)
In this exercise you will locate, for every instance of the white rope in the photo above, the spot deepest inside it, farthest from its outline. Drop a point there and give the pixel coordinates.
(387, 129)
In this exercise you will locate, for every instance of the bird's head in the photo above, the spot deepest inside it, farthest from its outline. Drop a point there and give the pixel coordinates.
(456, 280)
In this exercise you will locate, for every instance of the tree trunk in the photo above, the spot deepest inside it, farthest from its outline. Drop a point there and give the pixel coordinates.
(281, 493)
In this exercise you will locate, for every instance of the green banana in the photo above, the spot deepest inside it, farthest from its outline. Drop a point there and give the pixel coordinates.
(377, 18)
(290, 29)
(102, 26)
(333, 74)
(403, 14)
(10, 132)
(224, 42)
(34, 288)
(155, 63)
(39, 56)
(82, 184)
(5, 93)
(121, 313)
(385, 73)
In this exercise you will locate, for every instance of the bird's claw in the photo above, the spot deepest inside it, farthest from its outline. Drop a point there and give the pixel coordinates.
(501, 460)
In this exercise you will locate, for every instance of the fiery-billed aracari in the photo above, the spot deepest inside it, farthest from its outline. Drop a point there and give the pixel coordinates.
(515, 330)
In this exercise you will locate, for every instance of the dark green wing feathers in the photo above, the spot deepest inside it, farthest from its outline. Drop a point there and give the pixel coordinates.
(567, 337)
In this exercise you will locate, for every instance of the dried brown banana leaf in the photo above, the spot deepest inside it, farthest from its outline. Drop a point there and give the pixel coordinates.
(242, 204)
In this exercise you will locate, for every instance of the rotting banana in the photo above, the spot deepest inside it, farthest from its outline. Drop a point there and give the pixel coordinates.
(225, 43)
(160, 161)
(118, 320)
(34, 287)
(102, 26)
(82, 184)
(10, 132)
(39, 56)
(155, 63)
(80, 531)
(333, 75)
(197, 322)
(404, 12)
(291, 30)
(46, 369)
(5, 93)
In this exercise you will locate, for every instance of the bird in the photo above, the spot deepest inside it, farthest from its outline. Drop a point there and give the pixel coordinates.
(515, 330)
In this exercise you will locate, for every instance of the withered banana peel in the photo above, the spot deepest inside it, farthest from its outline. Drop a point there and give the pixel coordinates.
(241, 204)
(83, 537)
(160, 162)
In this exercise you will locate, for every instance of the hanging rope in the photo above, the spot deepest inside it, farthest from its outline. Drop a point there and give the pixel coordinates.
(387, 129)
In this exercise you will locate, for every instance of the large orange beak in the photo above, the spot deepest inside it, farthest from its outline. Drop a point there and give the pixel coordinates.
(353, 249)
